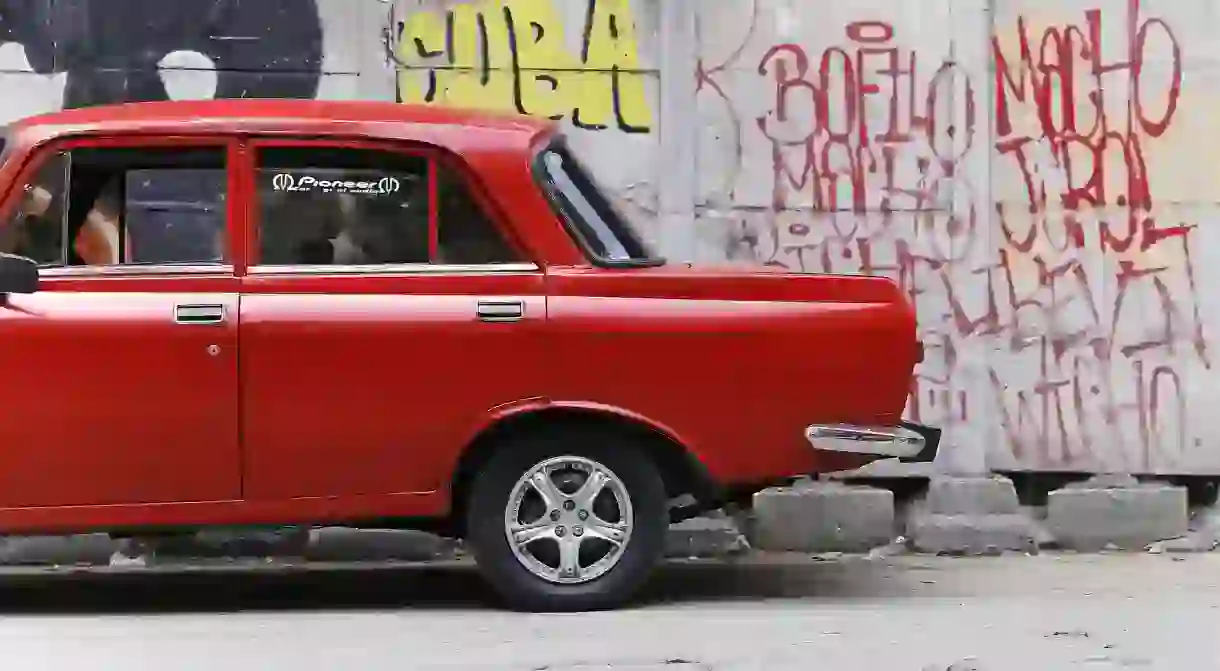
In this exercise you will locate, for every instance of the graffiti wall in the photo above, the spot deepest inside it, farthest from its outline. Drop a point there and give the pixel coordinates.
(588, 63)
(1052, 216)
(1035, 174)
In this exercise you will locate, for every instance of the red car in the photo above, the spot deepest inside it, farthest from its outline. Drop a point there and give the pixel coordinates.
(296, 312)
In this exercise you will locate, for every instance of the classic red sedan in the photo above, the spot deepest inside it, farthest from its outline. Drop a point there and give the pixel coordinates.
(296, 312)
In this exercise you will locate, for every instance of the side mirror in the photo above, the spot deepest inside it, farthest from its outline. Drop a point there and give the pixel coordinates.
(18, 275)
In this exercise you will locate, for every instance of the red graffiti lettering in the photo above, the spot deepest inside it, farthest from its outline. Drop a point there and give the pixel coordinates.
(1065, 306)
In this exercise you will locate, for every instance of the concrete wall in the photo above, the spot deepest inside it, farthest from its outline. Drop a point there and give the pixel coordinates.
(1035, 173)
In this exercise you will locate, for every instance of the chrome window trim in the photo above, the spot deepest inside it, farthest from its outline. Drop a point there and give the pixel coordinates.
(158, 269)
(390, 269)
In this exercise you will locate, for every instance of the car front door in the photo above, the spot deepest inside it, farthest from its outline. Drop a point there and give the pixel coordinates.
(384, 315)
(121, 371)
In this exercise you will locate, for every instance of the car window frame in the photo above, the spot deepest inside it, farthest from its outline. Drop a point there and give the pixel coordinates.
(567, 211)
(37, 156)
(436, 156)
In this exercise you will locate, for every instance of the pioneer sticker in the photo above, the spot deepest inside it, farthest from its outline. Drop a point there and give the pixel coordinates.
(292, 183)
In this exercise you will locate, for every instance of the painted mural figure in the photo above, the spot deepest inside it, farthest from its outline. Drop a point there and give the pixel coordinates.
(111, 48)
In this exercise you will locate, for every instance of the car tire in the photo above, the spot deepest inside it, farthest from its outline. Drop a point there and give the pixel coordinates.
(503, 493)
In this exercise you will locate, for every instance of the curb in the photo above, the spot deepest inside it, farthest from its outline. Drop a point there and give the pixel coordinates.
(955, 516)
(328, 544)
(981, 515)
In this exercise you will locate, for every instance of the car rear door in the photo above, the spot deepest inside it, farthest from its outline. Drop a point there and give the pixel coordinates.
(121, 371)
(385, 314)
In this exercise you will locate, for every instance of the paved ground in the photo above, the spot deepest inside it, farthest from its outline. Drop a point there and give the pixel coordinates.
(991, 614)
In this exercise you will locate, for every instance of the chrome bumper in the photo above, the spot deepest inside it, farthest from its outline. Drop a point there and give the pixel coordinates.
(907, 441)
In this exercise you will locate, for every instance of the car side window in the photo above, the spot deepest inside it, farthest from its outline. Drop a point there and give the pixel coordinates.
(35, 229)
(321, 205)
(123, 206)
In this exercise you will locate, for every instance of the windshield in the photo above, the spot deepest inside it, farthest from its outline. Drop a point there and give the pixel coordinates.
(600, 228)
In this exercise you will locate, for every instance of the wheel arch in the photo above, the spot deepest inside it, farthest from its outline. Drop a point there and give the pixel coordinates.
(681, 469)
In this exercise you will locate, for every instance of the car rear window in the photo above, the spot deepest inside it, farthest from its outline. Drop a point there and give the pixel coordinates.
(597, 225)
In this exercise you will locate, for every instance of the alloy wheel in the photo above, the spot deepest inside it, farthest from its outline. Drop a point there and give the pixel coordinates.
(568, 520)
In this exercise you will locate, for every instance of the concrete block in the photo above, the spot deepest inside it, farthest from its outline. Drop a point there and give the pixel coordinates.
(705, 537)
(1129, 518)
(339, 544)
(236, 543)
(1205, 522)
(747, 524)
(898, 547)
(1105, 481)
(822, 517)
(972, 534)
(1034, 512)
(985, 495)
(328, 544)
(1191, 542)
(56, 550)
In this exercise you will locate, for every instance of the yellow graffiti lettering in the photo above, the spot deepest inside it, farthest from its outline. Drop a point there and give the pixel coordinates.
(610, 46)
(514, 55)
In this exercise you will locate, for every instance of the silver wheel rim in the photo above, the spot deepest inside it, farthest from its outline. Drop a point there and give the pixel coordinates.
(568, 520)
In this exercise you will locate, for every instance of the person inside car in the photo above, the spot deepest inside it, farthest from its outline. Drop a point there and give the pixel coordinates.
(37, 232)
(36, 229)
(97, 242)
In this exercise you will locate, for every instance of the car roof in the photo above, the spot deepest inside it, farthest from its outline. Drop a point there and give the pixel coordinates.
(271, 115)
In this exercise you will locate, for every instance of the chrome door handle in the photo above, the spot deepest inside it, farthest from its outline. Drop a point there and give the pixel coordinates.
(199, 314)
(501, 311)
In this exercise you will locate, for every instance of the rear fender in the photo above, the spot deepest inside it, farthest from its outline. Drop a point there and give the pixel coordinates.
(679, 462)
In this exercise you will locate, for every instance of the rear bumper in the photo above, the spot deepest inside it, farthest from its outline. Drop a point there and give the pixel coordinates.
(908, 441)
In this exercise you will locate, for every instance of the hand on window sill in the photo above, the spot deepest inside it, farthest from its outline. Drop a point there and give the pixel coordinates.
(347, 252)
(37, 201)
